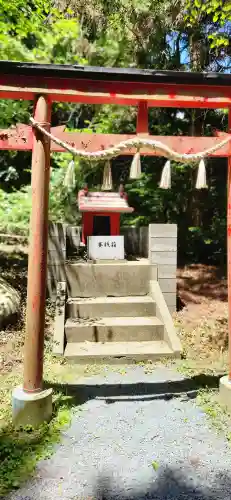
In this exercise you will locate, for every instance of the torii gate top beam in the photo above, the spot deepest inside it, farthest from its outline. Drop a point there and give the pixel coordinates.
(95, 85)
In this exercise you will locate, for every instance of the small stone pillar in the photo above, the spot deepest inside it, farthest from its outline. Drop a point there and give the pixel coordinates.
(163, 253)
(56, 257)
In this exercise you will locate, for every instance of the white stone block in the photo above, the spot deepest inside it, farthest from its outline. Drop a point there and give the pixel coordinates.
(106, 247)
(166, 271)
(31, 408)
(168, 285)
(170, 298)
(163, 230)
(163, 244)
(169, 258)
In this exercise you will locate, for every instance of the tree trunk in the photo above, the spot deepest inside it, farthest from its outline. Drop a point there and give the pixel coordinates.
(197, 125)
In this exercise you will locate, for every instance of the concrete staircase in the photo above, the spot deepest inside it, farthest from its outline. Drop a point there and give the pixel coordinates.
(114, 312)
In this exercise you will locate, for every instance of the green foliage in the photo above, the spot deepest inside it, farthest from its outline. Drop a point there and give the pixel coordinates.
(15, 207)
(218, 14)
(59, 43)
(15, 211)
(35, 32)
(62, 204)
(18, 21)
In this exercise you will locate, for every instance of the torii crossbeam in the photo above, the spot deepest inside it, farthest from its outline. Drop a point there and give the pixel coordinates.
(20, 138)
(45, 84)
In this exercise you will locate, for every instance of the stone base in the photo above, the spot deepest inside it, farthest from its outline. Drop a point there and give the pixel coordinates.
(225, 392)
(117, 279)
(31, 408)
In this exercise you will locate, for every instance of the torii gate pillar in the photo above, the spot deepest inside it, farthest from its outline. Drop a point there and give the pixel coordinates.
(31, 404)
(225, 382)
(229, 244)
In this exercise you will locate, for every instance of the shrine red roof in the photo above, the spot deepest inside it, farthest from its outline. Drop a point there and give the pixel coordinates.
(102, 202)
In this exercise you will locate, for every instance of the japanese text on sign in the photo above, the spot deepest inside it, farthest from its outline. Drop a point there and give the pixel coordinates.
(107, 244)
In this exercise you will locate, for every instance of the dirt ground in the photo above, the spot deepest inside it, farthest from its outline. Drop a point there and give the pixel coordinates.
(13, 268)
(202, 317)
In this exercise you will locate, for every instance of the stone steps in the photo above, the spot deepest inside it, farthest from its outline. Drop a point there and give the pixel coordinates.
(117, 352)
(99, 307)
(114, 329)
(113, 311)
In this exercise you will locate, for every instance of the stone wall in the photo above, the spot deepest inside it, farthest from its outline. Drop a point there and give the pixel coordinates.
(136, 241)
(73, 236)
(163, 253)
(61, 236)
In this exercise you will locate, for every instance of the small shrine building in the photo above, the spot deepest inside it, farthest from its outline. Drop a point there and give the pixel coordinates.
(101, 212)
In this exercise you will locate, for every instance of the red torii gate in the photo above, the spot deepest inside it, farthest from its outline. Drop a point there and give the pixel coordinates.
(45, 84)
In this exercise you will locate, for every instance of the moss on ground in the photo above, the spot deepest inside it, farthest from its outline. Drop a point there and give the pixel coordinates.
(21, 449)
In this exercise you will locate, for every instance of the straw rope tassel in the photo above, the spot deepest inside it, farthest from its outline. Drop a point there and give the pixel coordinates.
(165, 181)
(201, 176)
(69, 179)
(135, 170)
(107, 177)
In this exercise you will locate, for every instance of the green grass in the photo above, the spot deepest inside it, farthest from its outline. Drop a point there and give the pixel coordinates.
(21, 449)
(217, 414)
(155, 465)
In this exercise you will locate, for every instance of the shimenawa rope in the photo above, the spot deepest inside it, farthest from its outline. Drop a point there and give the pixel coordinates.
(137, 142)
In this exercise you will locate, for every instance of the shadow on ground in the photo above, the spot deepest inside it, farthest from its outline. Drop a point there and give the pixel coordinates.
(169, 484)
(13, 265)
(147, 391)
(197, 280)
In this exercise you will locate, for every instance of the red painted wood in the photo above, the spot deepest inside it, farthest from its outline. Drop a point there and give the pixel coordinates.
(142, 118)
(66, 90)
(87, 226)
(115, 224)
(229, 243)
(21, 138)
(37, 266)
(165, 101)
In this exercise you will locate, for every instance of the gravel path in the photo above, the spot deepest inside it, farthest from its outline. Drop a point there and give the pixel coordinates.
(128, 423)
